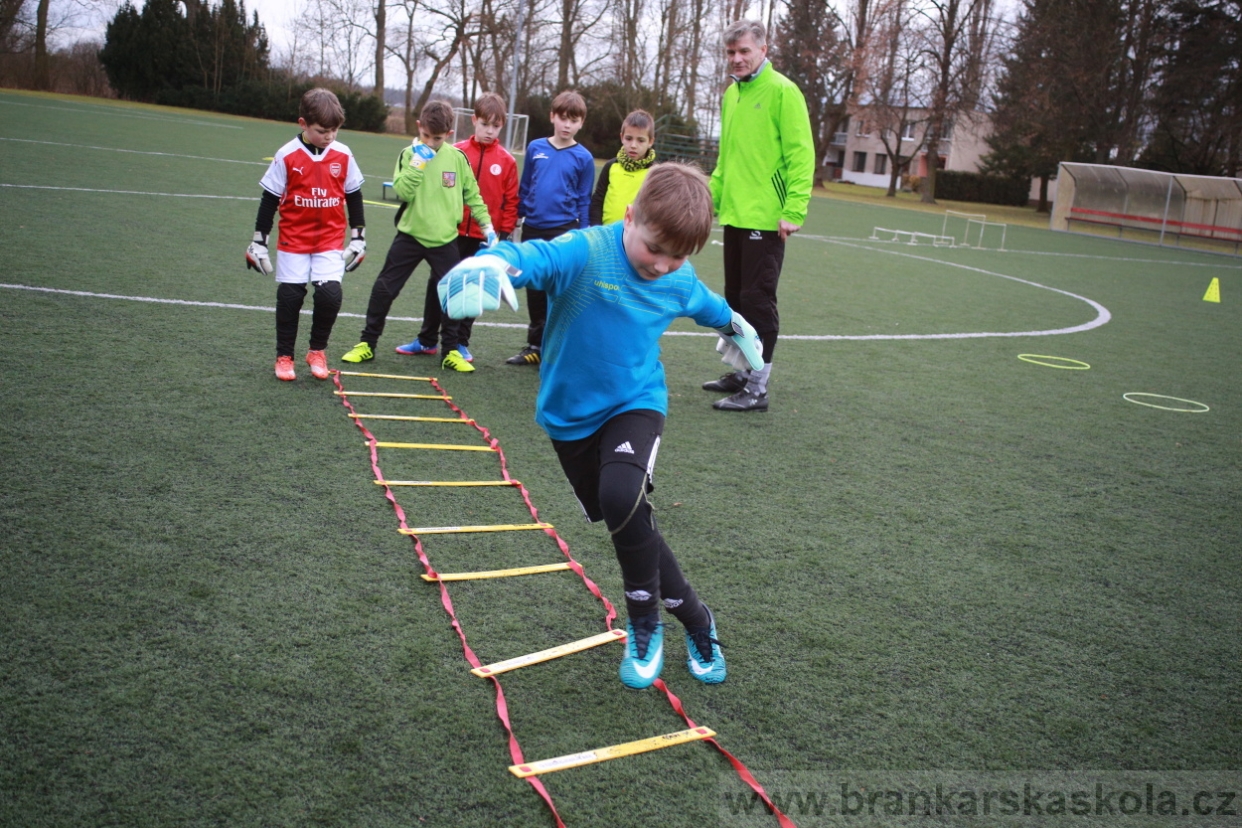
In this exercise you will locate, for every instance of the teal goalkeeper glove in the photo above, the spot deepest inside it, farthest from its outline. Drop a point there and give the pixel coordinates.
(475, 285)
(740, 345)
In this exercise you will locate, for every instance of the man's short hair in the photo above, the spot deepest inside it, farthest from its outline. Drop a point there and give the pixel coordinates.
(320, 107)
(569, 104)
(437, 118)
(675, 204)
(640, 119)
(490, 108)
(741, 28)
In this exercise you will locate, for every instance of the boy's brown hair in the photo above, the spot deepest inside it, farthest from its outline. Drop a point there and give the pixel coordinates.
(320, 107)
(437, 118)
(569, 104)
(490, 108)
(640, 119)
(674, 202)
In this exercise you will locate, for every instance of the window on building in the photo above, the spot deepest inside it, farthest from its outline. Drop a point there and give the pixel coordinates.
(862, 127)
(860, 162)
(907, 131)
(881, 163)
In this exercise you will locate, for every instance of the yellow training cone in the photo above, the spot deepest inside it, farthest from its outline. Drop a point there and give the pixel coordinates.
(1213, 291)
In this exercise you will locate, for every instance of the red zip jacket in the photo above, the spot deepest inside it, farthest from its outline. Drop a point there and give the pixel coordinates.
(496, 172)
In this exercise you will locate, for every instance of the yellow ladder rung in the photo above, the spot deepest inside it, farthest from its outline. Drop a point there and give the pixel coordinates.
(385, 376)
(452, 530)
(589, 757)
(391, 395)
(407, 418)
(496, 573)
(548, 654)
(431, 446)
(448, 483)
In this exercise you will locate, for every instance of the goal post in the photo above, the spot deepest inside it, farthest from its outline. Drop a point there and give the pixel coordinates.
(512, 136)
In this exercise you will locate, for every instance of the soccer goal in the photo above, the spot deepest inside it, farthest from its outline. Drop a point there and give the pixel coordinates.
(975, 230)
(512, 137)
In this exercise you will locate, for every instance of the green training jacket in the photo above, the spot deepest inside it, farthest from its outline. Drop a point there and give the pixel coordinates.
(435, 194)
(766, 166)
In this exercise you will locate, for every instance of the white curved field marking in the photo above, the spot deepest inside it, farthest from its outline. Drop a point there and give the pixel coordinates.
(1102, 314)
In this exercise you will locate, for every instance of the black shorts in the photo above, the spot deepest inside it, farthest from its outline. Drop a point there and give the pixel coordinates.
(632, 437)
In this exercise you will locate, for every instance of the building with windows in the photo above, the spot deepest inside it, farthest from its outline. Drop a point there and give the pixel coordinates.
(857, 153)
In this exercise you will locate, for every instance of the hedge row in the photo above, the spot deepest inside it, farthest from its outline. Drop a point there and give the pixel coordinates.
(987, 189)
(276, 102)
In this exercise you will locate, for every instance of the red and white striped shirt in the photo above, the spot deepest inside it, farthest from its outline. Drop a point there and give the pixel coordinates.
(312, 192)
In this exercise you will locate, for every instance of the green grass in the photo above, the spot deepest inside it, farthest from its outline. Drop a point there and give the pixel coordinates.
(929, 554)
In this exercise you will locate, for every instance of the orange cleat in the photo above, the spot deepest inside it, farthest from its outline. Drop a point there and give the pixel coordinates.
(284, 369)
(318, 363)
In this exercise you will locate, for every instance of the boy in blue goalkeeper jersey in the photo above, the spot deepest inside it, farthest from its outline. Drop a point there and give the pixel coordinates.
(602, 399)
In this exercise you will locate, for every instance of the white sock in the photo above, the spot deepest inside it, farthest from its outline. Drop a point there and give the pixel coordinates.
(757, 381)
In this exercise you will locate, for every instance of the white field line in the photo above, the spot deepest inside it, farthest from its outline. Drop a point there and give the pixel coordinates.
(1102, 316)
(127, 192)
(135, 152)
(1009, 251)
(224, 305)
(105, 110)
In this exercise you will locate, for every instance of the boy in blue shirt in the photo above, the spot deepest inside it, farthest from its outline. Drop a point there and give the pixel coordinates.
(602, 398)
(554, 197)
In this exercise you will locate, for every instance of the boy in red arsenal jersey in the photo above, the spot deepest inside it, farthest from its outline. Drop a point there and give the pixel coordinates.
(313, 181)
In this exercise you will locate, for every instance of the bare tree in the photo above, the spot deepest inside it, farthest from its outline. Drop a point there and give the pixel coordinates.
(959, 34)
(894, 88)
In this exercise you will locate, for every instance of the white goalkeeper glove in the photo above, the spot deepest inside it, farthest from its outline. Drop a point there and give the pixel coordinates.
(420, 155)
(739, 344)
(256, 255)
(357, 249)
(475, 285)
(489, 236)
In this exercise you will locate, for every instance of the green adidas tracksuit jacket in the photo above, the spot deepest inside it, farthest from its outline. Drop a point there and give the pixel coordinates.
(435, 194)
(766, 166)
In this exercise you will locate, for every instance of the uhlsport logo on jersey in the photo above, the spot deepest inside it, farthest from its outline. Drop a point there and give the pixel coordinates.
(335, 169)
(448, 178)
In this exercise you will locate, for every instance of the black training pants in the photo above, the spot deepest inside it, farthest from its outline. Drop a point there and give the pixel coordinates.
(752, 268)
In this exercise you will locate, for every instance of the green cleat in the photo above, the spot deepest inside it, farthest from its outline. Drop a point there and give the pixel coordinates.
(454, 361)
(359, 353)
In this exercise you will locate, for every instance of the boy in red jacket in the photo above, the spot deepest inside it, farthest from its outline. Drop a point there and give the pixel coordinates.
(496, 172)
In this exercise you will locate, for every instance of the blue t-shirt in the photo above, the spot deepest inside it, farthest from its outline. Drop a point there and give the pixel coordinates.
(601, 351)
(556, 185)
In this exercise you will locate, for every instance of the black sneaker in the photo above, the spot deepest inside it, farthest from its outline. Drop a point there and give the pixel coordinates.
(727, 384)
(527, 356)
(743, 401)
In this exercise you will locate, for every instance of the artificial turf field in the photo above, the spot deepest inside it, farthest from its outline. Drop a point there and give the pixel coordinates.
(930, 554)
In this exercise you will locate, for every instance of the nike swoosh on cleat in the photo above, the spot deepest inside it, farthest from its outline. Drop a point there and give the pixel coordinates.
(697, 670)
(653, 664)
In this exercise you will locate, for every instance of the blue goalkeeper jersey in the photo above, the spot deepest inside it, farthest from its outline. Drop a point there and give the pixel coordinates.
(601, 346)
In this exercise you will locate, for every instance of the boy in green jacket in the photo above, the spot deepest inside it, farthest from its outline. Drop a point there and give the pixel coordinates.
(434, 180)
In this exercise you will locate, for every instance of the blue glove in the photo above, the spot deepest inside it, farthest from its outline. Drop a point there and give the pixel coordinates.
(489, 236)
(475, 285)
(740, 345)
(421, 154)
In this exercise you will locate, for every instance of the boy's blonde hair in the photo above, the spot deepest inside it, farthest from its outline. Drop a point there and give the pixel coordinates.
(640, 119)
(490, 108)
(674, 202)
(437, 118)
(321, 107)
(569, 104)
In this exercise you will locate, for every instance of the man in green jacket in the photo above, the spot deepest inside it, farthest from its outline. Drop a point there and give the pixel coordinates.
(760, 188)
(434, 181)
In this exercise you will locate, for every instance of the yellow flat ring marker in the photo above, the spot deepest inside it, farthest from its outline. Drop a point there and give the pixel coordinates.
(1129, 395)
(1055, 362)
